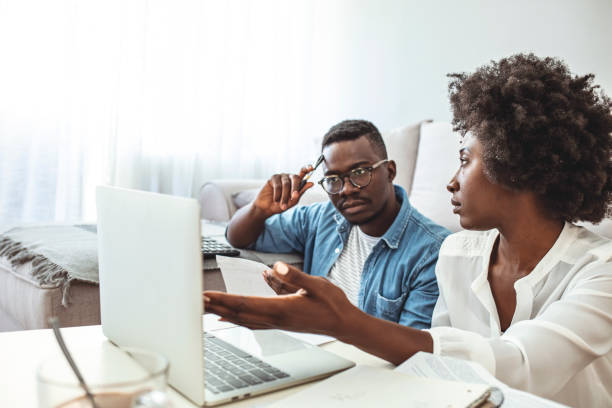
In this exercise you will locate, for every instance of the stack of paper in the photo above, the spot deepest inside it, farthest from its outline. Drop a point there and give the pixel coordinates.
(427, 365)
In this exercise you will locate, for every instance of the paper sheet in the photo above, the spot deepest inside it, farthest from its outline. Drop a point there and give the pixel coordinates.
(243, 277)
(448, 368)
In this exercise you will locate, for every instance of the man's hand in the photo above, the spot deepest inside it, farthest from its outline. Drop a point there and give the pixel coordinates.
(281, 192)
(317, 306)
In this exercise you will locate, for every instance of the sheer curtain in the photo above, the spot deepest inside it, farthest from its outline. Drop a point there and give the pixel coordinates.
(155, 95)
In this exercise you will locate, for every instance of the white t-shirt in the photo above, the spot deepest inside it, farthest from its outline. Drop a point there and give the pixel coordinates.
(346, 271)
(559, 344)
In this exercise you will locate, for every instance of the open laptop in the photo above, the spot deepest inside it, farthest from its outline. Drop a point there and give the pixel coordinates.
(151, 297)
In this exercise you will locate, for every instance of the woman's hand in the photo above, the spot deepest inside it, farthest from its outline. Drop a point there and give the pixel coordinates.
(315, 305)
(279, 285)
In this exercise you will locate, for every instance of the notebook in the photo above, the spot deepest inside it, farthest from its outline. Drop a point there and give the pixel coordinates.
(366, 386)
(150, 265)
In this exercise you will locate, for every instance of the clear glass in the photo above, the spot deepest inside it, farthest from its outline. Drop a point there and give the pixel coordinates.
(118, 378)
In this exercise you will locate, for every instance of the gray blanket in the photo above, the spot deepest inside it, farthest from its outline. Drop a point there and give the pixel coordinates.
(58, 254)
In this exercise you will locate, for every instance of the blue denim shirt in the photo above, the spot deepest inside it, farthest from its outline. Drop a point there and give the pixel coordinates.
(398, 281)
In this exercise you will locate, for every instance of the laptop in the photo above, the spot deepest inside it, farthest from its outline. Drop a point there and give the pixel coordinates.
(150, 264)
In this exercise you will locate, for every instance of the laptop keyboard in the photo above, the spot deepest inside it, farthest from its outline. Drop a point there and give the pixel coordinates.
(212, 247)
(228, 368)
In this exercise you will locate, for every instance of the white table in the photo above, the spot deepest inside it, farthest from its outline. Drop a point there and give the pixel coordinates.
(21, 351)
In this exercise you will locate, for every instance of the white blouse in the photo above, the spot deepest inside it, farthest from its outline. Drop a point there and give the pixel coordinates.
(559, 344)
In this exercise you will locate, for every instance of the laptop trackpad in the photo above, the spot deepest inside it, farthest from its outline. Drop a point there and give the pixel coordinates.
(260, 343)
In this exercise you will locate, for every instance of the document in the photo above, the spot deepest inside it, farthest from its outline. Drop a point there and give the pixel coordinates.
(427, 365)
(243, 277)
(366, 386)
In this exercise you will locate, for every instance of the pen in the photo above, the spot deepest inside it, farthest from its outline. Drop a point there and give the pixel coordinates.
(305, 179)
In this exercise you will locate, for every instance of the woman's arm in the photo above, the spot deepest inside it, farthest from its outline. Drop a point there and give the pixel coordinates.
(319, 307)
(542, 354)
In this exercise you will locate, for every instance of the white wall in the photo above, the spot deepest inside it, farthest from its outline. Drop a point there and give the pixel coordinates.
(180, 93)
(387, 60)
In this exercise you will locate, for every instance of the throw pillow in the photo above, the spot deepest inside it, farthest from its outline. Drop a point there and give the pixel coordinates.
(402, 145)
(437, 161)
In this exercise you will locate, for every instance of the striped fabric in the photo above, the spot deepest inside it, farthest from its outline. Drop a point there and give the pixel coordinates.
(346, 272)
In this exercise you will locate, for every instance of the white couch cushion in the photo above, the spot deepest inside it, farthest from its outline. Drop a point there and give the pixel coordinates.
(216, 202)
(437, 161)
(402, 146)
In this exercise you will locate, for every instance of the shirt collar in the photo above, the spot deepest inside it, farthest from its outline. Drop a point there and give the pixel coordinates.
(554, 254)
(552, 257)
(524, 287)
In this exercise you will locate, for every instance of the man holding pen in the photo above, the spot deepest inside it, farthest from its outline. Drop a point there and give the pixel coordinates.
(368, 240)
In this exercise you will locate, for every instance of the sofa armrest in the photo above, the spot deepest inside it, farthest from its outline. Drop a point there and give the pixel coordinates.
(215, 197)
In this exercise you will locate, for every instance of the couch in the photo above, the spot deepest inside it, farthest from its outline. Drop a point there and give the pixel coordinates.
(426, 154)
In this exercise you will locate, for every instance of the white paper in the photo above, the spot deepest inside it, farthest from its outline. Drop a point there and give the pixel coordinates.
(243, 277)
(272, 258)
(427, 365)
(366, 386)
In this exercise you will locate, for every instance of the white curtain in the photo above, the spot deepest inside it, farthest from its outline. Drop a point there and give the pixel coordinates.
(156, 95)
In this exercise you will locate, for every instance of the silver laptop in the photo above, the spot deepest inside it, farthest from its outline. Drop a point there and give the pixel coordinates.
(151, 297)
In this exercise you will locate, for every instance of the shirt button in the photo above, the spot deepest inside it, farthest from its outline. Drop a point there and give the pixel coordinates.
(337, 250)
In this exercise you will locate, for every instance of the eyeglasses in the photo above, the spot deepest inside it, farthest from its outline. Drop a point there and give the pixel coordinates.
(359, 177)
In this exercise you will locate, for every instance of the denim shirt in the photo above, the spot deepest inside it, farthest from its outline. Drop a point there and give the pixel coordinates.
(398, 281)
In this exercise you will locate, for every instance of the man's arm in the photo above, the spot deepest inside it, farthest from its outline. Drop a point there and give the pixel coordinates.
(278, 195)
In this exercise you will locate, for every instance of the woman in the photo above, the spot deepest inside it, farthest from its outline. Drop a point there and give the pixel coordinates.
(525, 293)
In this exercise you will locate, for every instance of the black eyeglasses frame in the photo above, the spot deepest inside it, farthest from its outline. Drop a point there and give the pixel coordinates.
(369, 169)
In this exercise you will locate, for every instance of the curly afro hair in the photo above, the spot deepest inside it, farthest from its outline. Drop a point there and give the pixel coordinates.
(542, 130)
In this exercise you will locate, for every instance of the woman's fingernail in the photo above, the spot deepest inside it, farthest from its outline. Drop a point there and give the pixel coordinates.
(206, 299)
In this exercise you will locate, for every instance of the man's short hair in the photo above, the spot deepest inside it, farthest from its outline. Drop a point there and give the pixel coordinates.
(353, 129)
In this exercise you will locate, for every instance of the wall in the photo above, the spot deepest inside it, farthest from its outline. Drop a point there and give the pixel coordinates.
(387, 60)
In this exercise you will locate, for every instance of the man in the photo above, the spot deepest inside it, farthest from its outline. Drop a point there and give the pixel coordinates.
(368, 239)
